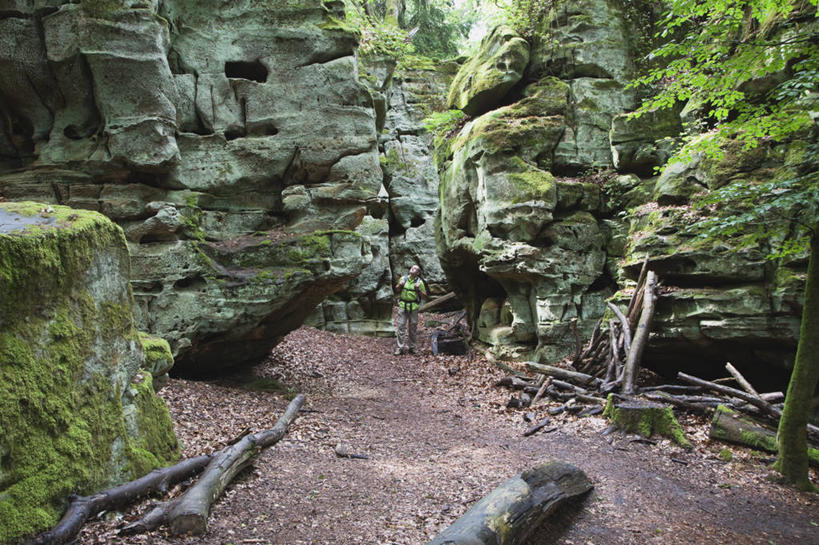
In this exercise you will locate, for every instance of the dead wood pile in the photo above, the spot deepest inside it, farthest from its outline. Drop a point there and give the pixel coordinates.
(610, 361)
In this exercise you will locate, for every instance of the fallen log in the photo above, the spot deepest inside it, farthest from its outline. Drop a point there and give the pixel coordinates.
(189, 515)
(733, 427)
(546, 382)
(513, 382)
(82, 508)
(756, 401)
(632, 364)
(741, 379)
(189, 512)
(565, 374)
(515, 512)
(663, 397)
(437, 301)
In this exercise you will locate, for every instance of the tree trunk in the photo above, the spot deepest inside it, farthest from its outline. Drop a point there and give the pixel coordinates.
(793, 445)
(189, 515)
(513, 513)
(632, 364)
(645, 418)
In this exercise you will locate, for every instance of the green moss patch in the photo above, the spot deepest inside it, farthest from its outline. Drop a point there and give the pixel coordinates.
(645, 418)
(61, 383)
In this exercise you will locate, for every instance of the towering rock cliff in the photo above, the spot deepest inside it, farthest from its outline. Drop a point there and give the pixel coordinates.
(401, 230)
(231, 140)
(549, 205)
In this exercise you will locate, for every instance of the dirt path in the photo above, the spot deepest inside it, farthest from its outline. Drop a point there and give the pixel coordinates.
(438, 437)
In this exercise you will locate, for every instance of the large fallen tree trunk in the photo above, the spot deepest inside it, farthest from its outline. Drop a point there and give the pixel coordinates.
(515, 511)
(84, 507)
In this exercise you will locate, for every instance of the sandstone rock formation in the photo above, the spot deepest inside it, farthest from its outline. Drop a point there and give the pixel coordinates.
(232, 142)
(549, 205)
(401, 230)
(77, 404)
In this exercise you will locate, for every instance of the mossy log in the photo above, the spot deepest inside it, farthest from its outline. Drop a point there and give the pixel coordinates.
(732, 427)
(516, 510)
(644, 417)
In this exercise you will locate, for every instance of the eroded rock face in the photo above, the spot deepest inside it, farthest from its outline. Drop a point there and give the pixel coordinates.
(400, 227)
(535, 194)
(222, 137)
(491, 73)
(77, 402)
(522, 241)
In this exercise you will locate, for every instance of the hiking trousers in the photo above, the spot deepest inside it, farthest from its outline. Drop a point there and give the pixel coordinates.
(407, 327)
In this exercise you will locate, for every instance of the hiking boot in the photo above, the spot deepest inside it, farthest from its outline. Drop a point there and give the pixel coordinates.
(397, 352)
(411, 351)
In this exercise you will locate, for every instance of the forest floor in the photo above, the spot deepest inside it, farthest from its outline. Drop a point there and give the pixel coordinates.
(438, 437)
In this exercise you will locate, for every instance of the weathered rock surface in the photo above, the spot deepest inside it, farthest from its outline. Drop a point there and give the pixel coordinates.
(535, 228)
(77, 403)
(485, 80)
(203, 129)
(400, 227)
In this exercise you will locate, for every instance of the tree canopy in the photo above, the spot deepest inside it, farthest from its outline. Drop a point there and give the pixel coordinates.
(750, 66)
(432, 28)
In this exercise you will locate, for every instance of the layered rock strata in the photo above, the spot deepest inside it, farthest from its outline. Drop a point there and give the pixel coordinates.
(401, 230)
(233, 143)
(549, 205)
(77, 404)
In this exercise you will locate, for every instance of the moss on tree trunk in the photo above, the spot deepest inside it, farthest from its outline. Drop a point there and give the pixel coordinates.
(793, 440)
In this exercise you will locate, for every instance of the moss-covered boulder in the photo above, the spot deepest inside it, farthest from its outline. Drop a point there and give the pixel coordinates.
(77, 411)
(485, 80)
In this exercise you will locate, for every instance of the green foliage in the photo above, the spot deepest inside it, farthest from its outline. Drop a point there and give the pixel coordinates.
(725, 56)
(379, 36)
(398, 29)
(444, 124)
(525, 15)
(439, 27)
(757, 212)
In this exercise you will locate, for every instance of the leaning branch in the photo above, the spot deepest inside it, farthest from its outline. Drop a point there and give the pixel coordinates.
(190, 514)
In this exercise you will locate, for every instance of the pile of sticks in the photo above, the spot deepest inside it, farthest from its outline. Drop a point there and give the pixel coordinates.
(616, 357)
(610, 361)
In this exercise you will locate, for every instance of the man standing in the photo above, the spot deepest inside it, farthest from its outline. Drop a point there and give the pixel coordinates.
(411, 291)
